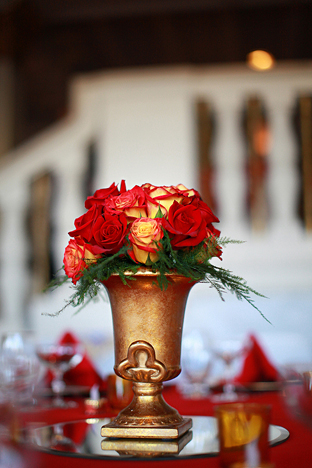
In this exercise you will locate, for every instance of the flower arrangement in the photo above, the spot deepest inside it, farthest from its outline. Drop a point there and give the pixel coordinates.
(165, 229)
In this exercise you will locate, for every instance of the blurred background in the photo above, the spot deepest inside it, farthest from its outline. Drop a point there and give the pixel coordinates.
(166, 92)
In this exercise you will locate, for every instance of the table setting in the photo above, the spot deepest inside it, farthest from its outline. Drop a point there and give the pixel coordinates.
(39, 432)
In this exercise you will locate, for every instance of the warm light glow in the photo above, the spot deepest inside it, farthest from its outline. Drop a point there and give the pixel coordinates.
(260, 60)
(92, 420)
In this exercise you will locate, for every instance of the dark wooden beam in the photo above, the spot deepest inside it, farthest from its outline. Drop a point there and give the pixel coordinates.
(47, 53)
(82, 10)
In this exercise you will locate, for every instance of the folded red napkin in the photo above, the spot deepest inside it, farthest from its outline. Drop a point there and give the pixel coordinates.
(256, 366)
(84, 374)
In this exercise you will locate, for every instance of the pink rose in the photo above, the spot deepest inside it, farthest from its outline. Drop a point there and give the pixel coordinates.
(144, 235)
(132, 203)
(77, 257)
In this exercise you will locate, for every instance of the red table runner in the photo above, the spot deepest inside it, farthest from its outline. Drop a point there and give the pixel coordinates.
(295, 452)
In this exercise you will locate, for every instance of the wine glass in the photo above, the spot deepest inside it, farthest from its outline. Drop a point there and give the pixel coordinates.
(297, 392)
(196, 363)
(60, 442)
(59, 358)
(19, 370)
(229, 351)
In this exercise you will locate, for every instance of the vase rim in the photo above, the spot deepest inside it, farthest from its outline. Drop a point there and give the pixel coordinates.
(143, 271)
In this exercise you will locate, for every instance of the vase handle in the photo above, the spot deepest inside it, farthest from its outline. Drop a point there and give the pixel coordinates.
(141, 364)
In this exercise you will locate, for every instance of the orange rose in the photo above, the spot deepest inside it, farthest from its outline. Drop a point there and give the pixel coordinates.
(77, 257)
(187, 192)
(161, 197)
(144, 233)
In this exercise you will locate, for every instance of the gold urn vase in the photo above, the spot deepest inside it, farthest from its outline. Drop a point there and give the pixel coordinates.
(148, 326)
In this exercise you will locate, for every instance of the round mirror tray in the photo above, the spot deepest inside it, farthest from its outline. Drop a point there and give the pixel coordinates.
(83, 439)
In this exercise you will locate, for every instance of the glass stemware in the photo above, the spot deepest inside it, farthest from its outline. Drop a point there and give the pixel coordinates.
(229, 351)
(297, 392)
(196, 363)
(19, 371)
(60, 442)
(59, 358)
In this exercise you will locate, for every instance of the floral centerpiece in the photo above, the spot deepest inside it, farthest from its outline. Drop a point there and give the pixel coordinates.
(165, 229)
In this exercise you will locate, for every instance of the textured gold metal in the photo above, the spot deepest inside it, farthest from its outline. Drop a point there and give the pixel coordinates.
(147, 447)
(148, 415)
(141, 364)
(148, 325)
(164, 432)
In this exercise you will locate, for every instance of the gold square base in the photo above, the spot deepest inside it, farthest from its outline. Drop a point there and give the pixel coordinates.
(172, 431)
(147, 447)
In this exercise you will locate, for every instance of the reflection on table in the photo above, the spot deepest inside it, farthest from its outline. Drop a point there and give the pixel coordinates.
(296, 451)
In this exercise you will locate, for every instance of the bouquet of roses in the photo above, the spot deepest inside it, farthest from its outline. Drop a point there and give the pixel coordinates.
(165, 229)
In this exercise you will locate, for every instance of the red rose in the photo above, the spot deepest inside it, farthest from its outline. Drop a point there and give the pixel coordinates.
(205, 211)
(211, 230)
(84, 223)
(132, 203)
(186, 226)
(77, 256)
(99, 197)
(108, 233)
(211, 247)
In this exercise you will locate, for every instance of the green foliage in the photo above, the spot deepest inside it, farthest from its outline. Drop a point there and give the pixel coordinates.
(194, 263)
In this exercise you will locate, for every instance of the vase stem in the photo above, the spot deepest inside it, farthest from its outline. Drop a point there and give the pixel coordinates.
(148, 415)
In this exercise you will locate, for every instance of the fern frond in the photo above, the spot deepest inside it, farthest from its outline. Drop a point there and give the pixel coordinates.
(193, 263)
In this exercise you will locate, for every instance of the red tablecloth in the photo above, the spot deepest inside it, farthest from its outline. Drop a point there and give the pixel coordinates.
(295, 452)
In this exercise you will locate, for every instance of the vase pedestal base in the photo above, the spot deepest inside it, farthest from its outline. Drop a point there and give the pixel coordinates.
(173, 431)
(147, 447)
(148, 416)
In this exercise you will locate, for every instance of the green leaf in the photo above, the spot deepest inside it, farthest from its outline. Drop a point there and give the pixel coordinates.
(159, 213)
(193, 263)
